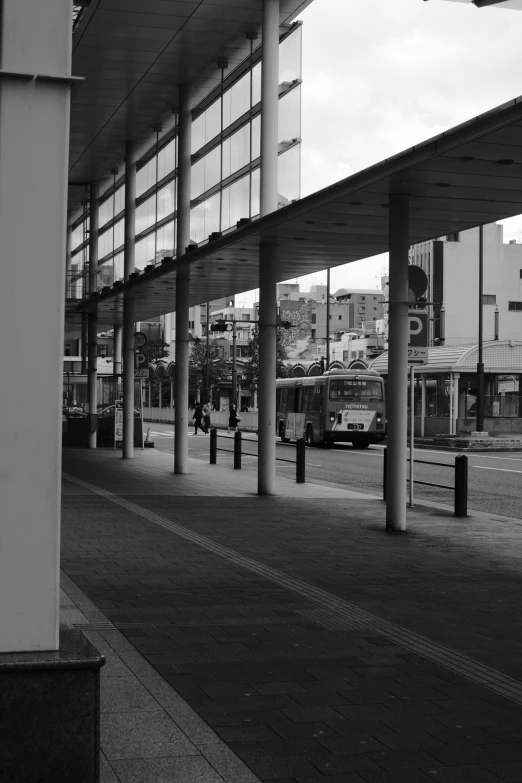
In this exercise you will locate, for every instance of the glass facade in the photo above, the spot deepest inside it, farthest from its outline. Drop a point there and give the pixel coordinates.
(225, 145)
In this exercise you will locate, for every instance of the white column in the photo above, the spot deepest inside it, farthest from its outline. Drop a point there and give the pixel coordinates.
(35, 38)
(181, 414)
(397, 363)
(456, 377)
(451, 404)
(92, 333)
(128, 304)
(268, 249)
(68, 263)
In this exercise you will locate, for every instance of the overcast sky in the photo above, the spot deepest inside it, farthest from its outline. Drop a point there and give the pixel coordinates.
(382, 75)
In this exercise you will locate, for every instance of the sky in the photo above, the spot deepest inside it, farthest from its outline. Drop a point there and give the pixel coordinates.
(382, 75)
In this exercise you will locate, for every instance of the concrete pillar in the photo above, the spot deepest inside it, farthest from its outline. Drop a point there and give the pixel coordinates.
(181, 414)
(128, 304)
(456, 377)
(68, 264)
(268, 249)
(34, 142)
(92, 335)
(423, 404)
(397, 362)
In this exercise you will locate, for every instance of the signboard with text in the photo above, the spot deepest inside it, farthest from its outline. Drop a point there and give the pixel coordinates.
(417, 335)
(141, 365)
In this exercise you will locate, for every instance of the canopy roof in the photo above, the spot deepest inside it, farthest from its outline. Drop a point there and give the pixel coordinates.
(498, 356)
(133, 54)
(467, 176)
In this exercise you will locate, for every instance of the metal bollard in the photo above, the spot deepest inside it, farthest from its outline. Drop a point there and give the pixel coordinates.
(384, 472)
(461, 486)
(213, 446)
(237, 451)
(300, 457)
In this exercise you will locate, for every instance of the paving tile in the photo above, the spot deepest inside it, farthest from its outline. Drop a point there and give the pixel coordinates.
(462, 774)
(107, 774)
(510, 771)
(166, 770)
(142, 735)
(125, 694)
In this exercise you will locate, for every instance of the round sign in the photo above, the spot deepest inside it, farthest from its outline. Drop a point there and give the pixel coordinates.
(140, 339)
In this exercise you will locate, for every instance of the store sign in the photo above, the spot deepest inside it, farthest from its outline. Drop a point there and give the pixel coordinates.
(418, 336)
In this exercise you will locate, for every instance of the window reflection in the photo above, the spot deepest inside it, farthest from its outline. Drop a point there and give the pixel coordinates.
(145, 215)
(204, 219)
(205, 173)
(290, 57)
(288, 179)
(289, 118)
(256, 84)
(236, 151)
(255, 207)
(118, 266)
(235, 202)
(167, 159)
(236, 101)
(144, 252)
(256, 137)
(146, 177)
(166, 201)
(165, 241)
(77, 236)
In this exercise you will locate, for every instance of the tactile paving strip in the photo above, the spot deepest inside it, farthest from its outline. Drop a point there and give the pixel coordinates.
(334, 613)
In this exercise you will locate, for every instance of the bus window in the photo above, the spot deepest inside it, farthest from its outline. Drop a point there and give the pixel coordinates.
(290, 406)
(300, 400)
(352, 389)
(278, 399)
(315, 399)
(283, 400)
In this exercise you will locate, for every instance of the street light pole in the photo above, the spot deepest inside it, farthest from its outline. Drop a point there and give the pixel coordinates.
(234, 367)
(207, 382)
(480, 364)
(327, 319)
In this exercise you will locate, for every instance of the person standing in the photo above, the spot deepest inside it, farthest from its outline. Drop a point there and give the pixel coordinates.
(233, 418)
(198, 418)
(206, 417)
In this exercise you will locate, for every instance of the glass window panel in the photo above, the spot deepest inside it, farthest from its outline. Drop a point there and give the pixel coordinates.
(236, 100)
(105, 274)
(206, 173)
(77, 236)
(290, 57)
(289, 119)
(105, 212)
(256, 137)
(197, 139)
(288, 180)
(146, 177)
(144, 252)
(166, 201)
(145, 215)
(236, 151)
(167, 159)
(165, 241)
(255, 191)
(119, 233)
(105, 243)
(235, 202)
(118, 266)
(204, 219)
(213, 120)
(120, 200)
(256, 84)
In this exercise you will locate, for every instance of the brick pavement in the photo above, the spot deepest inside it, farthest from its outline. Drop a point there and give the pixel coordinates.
(230, 606)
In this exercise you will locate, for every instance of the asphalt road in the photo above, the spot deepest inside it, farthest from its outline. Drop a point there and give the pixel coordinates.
(495, 480)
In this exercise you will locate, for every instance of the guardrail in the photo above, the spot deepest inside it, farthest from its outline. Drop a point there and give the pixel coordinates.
(460, 487)
(299, 461)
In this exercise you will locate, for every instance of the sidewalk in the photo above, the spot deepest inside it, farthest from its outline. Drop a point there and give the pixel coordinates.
(290, 638)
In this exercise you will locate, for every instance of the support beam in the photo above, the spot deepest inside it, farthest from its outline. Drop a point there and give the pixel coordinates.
(128, 304)
(181, 411)
(268, 249)
(398, 363)
(92, 335)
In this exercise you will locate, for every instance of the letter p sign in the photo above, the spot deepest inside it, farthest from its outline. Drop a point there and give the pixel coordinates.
(418, 329)
(141, 365)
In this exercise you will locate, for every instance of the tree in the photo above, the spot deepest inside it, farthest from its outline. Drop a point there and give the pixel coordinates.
(218, 369)
(156, 350)
(251, 368)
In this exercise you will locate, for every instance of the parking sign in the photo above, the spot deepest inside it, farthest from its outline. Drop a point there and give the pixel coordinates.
(141, 365)
(418, 336)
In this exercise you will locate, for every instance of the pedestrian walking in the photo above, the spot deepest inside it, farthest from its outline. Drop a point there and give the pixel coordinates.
(198, 419)
(206, 417)
(233, 418)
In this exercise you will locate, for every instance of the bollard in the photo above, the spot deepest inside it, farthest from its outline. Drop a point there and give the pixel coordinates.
(237, 451)
(300, 452)
(213, 446)
(384, 472)
(461, 486)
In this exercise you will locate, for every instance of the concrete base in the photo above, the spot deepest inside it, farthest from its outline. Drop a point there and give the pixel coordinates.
(477, 434)
(50, 713)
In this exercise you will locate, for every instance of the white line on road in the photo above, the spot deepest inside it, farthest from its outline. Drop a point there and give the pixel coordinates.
(502, 470)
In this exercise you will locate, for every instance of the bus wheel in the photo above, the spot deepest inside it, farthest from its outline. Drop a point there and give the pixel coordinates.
(282, 433)
(309, 436)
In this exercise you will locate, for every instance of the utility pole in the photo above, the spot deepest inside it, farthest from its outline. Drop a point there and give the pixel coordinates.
(207, 382)
(480, 364)
(234, 364)
(327, 319)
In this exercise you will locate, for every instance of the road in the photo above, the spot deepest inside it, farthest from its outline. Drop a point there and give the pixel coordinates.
(495, 480)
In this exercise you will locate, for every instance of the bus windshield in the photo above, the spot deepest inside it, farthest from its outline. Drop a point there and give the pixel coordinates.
(352, 389)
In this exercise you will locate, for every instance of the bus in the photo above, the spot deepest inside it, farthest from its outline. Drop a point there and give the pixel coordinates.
(345, 406)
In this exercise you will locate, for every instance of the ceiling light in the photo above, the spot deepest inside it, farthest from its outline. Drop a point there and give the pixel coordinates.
(506, 162)
(442, 184)
(355, 203)
(467, 158)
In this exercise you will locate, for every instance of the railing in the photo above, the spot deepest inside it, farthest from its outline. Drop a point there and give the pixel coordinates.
(299, 461)
(460, 487)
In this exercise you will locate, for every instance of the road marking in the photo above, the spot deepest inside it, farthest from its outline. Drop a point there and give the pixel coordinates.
(502, 470)
(328, 609)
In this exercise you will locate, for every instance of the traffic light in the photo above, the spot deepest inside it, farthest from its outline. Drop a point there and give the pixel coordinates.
(218, 326)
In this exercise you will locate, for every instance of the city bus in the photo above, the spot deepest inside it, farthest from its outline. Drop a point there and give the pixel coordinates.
(345, 406)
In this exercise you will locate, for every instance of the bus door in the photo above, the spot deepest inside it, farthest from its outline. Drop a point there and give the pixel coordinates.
(288, 409)
(300, 412)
